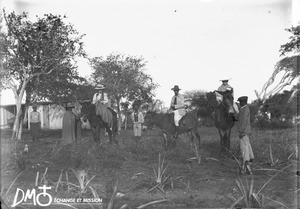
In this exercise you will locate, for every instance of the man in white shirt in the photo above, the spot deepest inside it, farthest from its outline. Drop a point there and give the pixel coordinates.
(101, 102)
(100, 96)
(178, 107)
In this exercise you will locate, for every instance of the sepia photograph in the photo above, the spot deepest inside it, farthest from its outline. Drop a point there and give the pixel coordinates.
(133, 104)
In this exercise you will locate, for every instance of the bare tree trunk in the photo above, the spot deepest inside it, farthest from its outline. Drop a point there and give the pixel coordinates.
(18, 121)
(119, 116)
(16, 126)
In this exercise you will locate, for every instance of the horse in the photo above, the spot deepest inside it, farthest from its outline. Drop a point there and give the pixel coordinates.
(224, 119)
(89, 113)
(187, 124)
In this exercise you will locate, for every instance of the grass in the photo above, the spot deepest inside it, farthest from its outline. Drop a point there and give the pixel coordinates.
(154, 165)
(249, 198)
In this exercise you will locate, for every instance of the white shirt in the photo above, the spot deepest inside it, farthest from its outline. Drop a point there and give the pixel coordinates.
(98, 97)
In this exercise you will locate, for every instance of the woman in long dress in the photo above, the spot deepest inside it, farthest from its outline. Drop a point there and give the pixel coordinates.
(68, 126)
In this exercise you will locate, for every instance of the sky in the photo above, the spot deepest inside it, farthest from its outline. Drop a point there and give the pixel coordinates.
(190, 43)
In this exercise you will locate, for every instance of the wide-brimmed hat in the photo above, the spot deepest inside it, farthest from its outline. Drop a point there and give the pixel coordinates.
(225, 78)
(99, 86)
(243, 99)
(175, 88)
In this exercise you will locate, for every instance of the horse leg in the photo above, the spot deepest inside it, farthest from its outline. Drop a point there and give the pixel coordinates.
(97, 133)
(111, 135)
(165, 140)
(109, 132)
(195, 131)
(94, 133)
(227, 140)
(192, 133)
(222, 135)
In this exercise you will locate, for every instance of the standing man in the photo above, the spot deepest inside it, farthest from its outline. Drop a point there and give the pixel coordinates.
(35, 123)
(178, 107)
(68, 126)
(138, 119)
(244, 130)
(226, 87)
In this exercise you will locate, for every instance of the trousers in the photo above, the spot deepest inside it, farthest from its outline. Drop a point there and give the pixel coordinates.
(246, 148)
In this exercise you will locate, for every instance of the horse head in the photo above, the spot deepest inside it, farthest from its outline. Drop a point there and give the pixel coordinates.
(148, 119)
(87, 110)
(227, 101)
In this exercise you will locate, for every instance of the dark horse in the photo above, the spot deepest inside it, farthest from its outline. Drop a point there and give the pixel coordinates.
(224, 119)
(165, 122)
(89, 113)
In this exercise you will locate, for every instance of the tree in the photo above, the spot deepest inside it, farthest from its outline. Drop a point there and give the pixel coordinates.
(205, 102)
(289, 66)
(124, 78)
(278, 107)
(37, 55)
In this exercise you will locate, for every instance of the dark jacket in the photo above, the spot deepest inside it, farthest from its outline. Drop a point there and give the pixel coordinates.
(243, 123)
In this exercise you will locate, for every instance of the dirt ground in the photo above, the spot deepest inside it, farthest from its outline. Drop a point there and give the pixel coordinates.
(215, 182)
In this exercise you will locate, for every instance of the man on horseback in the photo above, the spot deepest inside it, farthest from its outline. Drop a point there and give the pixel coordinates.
(102, 105)
(177, 107)
(226, 87)
(100, 96)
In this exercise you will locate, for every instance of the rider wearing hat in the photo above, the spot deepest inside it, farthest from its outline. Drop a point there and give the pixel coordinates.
(178, 107)
(100, 96)
(102, 105)
(226, 87)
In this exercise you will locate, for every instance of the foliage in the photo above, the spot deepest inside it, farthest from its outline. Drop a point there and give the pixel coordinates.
(294, 44)
(42, 53)
(249, 196)
(279, 108)
(277, 111)
(124, 77)
(83, 181)
(288, 66)
(205, 102)
(39, 58)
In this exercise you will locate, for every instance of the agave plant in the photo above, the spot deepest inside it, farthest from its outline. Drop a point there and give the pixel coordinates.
(126, 206)
(249, 196)
(160, 177)
(83, 181)
(4, 196)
